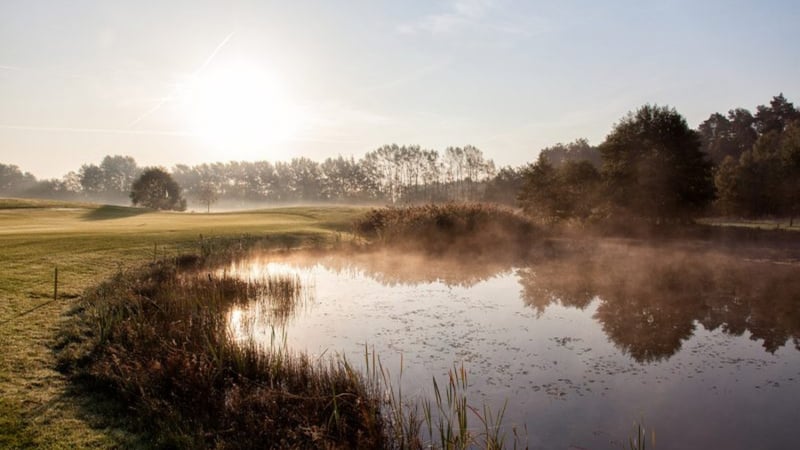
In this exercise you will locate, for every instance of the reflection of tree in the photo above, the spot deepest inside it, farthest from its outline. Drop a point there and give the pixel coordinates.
(765, 301)
(561, 282)
(651, 299)
(650, 312)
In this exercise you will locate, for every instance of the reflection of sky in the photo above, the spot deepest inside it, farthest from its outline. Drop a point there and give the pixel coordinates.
(561, 374)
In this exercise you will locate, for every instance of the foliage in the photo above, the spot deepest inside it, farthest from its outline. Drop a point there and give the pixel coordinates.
(723, 136)
(764, 180)
(505, 186)
(13, 180)
(653, 166)
(551, 194)
(156, 189)
(577, 151)
(777, 116)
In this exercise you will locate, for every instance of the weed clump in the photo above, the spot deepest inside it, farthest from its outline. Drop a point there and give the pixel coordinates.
(452, 228)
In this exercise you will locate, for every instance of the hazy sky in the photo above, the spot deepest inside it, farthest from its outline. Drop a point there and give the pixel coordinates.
(197, 81)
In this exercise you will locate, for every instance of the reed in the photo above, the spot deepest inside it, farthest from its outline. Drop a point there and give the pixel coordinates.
(473, 228)
(161, 341)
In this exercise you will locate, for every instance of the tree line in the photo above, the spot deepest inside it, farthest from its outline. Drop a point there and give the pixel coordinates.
(390, 174)
(651, 165)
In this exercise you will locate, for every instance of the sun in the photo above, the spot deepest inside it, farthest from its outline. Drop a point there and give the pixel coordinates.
(240, 110)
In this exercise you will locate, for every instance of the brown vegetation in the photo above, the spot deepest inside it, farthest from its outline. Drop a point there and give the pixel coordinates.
(473, 229)
(160, 342)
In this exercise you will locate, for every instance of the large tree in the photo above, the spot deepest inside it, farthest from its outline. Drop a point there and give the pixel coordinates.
(654, 168)
(156, 189)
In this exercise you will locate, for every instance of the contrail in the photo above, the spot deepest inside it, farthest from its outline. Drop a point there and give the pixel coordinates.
(93, 130)
(174, 91)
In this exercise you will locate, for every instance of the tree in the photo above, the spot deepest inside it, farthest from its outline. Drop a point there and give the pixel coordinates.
(733, 135)
(580, 150)
(91, 178)
(505, 186)
(538, 197)
(118, 173)
(559, 193)
(14, 181)
(654, 168)
(790, 158)
(207, 193)
(156, 189)
(777, 116)
(764, 180)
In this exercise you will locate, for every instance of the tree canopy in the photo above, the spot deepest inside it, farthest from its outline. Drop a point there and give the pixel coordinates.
(156, 189)
(653, 166)
(567, 191)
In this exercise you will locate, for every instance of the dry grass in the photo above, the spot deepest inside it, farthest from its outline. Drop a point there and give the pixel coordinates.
(450, 228)
(162, 344)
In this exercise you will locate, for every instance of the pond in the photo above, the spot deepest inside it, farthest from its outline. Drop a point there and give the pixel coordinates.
(701, 346)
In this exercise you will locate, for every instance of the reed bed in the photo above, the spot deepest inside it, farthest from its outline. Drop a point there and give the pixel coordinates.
(471, 228)
(161, 343)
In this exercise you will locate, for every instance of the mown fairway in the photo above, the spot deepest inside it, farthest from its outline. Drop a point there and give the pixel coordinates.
(88, 243)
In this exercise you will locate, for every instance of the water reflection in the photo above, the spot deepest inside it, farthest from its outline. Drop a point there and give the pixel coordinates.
(650, 299)
(585, 339)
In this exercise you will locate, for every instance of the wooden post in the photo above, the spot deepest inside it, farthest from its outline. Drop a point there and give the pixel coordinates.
(155, 251)
(55, 285)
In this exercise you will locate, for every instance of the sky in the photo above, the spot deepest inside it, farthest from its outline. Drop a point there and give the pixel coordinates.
(202, 81)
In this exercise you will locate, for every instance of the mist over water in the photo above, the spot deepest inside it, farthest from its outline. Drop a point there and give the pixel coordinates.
(698, 343)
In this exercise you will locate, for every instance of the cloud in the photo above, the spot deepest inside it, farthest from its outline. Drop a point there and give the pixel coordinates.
(463, 15)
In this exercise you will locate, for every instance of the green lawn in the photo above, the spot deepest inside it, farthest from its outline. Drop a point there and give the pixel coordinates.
(88, 243)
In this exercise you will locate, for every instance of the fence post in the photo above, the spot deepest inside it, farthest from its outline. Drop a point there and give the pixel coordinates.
(55, 285)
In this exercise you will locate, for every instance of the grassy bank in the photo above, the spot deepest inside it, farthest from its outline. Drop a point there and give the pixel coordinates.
(158, 340)
(89, 243)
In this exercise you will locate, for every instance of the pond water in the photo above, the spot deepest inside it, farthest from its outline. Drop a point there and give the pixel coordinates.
(701, 346)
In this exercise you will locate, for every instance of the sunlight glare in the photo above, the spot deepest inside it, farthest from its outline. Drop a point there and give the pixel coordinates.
(240, 109)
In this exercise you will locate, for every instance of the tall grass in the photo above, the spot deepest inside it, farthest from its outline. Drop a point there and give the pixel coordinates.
(162, 343)
(450, 421)
(472, 228)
